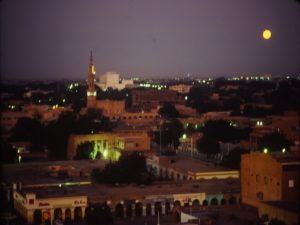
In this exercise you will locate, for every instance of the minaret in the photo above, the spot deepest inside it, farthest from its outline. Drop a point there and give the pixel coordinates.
(91, 91)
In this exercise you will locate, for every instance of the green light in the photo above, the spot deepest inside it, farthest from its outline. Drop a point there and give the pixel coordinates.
(105, 154)
(265, 150)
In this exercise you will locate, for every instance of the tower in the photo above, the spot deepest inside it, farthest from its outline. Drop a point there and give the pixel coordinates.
(91, 91)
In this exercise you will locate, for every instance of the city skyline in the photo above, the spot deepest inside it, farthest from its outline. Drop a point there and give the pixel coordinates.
(148, 38)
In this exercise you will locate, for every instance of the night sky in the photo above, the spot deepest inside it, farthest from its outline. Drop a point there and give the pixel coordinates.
(49, 39)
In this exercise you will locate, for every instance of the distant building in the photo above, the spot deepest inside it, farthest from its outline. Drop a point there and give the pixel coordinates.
(151, 99)
(45, 113)
(181, 88)
(112, 80)
(269, 178)
(288, 125)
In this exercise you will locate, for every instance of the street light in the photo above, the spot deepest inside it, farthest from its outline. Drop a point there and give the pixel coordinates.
(265, 150)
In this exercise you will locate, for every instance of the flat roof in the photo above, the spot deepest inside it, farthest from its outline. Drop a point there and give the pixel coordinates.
(184, 164)
(133, 191)
(38, 172)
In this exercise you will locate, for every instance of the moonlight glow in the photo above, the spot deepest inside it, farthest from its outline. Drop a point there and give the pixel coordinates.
(267, 34)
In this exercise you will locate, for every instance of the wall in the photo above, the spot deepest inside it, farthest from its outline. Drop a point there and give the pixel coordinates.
(260, 173)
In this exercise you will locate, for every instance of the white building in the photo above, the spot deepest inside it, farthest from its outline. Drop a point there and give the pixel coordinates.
(112, 80)
(181, 88)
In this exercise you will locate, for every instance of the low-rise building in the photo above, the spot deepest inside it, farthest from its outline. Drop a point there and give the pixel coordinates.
(181, 168)
(73, 202)
(271, 178)
(111, 144)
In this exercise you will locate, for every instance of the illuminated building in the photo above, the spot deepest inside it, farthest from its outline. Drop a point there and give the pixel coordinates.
(113, 144)
(37, 205)
(181, 88)
(112, 80)
(270, 180)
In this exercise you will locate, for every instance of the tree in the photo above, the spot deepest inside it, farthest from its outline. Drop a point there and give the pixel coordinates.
(168, 111)
(92, 122)
(57, 133)
(31, 130)
(274, 142)
(208, 146)
(222, 130)
(171, 131)
(131, 168)
(86, 150)
(8, 154)
(233, 159)
(100, 215)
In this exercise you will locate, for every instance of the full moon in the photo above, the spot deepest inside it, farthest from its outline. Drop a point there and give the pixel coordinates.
(267, 34)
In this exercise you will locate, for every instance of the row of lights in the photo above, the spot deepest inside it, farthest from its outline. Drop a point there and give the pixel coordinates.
(250, 78)
(158, 86)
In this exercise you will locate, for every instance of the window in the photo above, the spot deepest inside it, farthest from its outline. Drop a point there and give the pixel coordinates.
(31, 201)
(291, 183)
(265, 180)
(260, 195)
(257, 178)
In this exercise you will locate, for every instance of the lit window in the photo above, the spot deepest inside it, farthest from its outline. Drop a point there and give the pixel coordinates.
(291, 183)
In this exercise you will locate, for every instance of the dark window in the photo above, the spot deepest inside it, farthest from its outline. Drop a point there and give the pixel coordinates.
(31, 201)
(260, 195)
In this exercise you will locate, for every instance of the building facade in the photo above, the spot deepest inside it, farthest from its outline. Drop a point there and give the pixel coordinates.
(111, 144)
(39, 206)
(112, 80)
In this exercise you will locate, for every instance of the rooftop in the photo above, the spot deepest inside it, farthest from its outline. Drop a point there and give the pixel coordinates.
(38, 172)
(189, 165)
(132, 191)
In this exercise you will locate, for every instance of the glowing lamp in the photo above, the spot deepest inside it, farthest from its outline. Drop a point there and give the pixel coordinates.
(105, 154)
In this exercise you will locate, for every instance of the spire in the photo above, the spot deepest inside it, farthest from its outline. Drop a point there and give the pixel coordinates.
(92, 67)
(91, 58)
